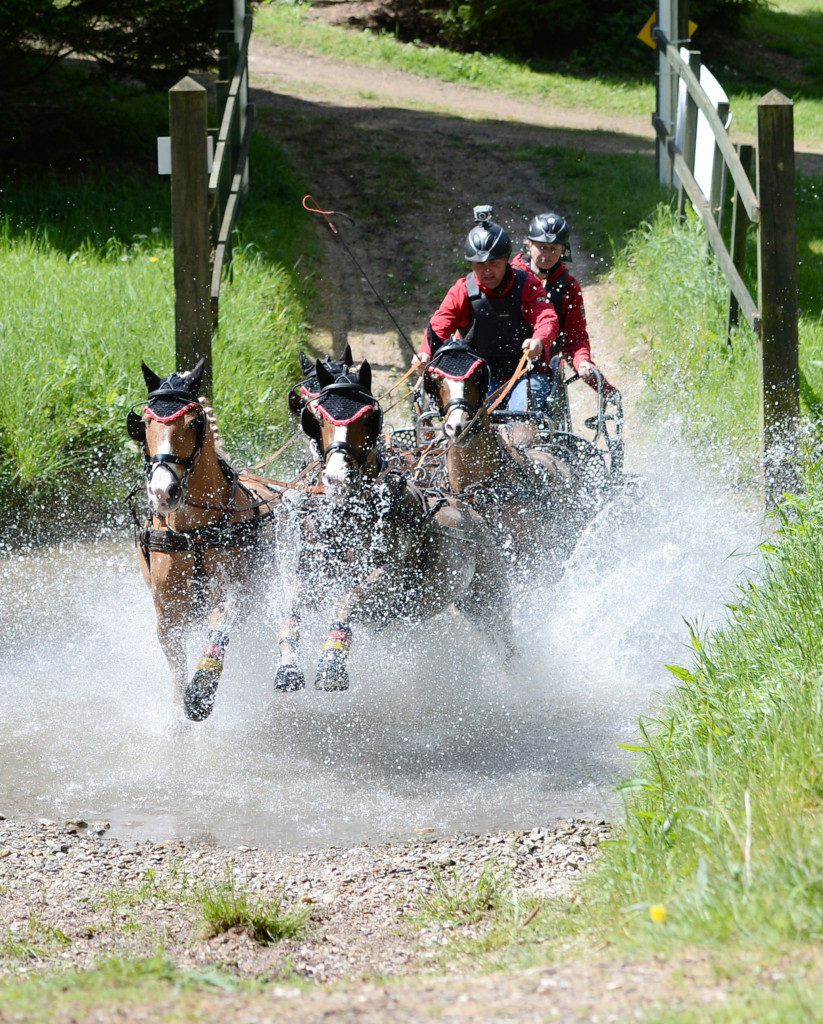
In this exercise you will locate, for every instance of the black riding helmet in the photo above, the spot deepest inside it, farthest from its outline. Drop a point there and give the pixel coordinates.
(551, 227)
(486, 241)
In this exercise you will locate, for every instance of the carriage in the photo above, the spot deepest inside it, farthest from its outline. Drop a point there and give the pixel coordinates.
(414, 524)
(595, 448)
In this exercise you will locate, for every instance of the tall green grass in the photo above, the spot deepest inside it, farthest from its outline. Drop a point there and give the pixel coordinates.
(673, 295)
(724, 815)
(88, 276)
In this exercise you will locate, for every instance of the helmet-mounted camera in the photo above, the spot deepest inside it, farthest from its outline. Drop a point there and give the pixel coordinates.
(482, 214)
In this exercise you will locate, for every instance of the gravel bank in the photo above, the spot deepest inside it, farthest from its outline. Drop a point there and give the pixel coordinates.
(69, 894)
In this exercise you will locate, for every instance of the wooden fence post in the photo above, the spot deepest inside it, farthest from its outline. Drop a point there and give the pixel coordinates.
(689, 130)
(777, 286)
(737, 242)
(717, 188)
(667, 21)
(190, 225)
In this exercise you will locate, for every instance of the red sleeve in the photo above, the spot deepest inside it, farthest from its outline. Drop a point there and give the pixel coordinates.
(519, 261)
(453, 313)
(576, 336)
(539, 313)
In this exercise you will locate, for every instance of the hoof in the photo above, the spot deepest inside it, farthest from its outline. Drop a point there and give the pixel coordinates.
(198, 700)
(332, 674)
(288, 679)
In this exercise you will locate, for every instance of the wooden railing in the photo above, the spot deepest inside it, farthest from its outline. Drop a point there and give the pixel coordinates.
(230, 166)
(772, 314)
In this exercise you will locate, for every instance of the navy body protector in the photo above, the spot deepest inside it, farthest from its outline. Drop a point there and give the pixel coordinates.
(556, 292)
(498, 327)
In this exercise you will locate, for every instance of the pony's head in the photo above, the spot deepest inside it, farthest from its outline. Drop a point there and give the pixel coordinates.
(307, 389)
(344, 421)
(457, 380)
(171, 430)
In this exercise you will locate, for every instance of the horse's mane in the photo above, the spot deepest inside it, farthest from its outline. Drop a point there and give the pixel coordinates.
(219, 444)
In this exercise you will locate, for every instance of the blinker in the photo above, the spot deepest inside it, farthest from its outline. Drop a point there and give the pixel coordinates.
(135, 426)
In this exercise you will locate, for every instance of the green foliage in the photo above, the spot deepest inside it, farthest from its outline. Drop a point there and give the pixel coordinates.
(458, 901)
(723, 816)
(227, 905)
(154, 40)
(673, 295)
(88, 278)
(599, 31)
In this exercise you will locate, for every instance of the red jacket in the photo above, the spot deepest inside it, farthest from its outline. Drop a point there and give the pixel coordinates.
(574, 339)
(454, 312)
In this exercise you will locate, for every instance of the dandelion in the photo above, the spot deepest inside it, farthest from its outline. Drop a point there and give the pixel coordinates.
(658, 913)
(152, 259)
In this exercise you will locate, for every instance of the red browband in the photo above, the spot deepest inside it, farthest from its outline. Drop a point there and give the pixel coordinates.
(172, 416)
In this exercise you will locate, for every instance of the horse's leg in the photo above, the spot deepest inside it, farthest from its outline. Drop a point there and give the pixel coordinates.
(170, 637)
(332, 673)
(289, 675)
(198, 699)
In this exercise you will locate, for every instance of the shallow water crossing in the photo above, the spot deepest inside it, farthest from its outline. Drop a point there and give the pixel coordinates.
(436, 732)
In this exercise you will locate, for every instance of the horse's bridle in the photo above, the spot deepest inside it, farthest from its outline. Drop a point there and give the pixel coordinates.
(351, 390)
(169, 459)
(457, 403)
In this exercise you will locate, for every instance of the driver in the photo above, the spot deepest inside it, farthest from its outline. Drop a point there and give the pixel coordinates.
(548, 251)
(501, 309)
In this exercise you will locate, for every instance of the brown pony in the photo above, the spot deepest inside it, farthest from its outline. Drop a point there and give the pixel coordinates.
(207, 530)
(375, 545)
(528, 495)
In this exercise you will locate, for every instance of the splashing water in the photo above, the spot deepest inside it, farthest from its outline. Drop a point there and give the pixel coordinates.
(435, 731)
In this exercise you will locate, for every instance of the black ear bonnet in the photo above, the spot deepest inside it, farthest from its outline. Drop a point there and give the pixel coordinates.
(455, 360)
(342, 403)
(168, 398)
(310, 387)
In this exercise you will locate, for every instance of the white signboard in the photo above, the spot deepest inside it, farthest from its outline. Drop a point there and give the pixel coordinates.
(164, 153)
(704, 150)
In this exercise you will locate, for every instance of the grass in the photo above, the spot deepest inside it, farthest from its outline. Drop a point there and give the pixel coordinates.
(226, 905)
(789, 24)
(477, 916)
(88, 274)
(118, 985)
(674, 297)
(454, 900)
(38, 941)
(290, 24)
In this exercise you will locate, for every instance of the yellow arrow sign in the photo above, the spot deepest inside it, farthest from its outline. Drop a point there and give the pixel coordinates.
(645, 33)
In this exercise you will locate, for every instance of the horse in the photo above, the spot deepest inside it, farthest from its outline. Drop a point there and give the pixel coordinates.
(528, 496)
(378, 546)
(203, 537)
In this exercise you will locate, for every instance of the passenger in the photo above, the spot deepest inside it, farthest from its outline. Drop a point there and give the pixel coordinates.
(548, 251)
(505, 310)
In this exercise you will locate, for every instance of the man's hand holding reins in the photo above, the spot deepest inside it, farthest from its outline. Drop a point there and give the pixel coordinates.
(533, 347)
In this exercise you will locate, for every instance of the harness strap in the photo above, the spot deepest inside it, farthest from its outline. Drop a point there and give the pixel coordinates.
(242, 533)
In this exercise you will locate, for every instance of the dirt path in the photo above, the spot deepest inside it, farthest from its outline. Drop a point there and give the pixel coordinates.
(408, 157)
